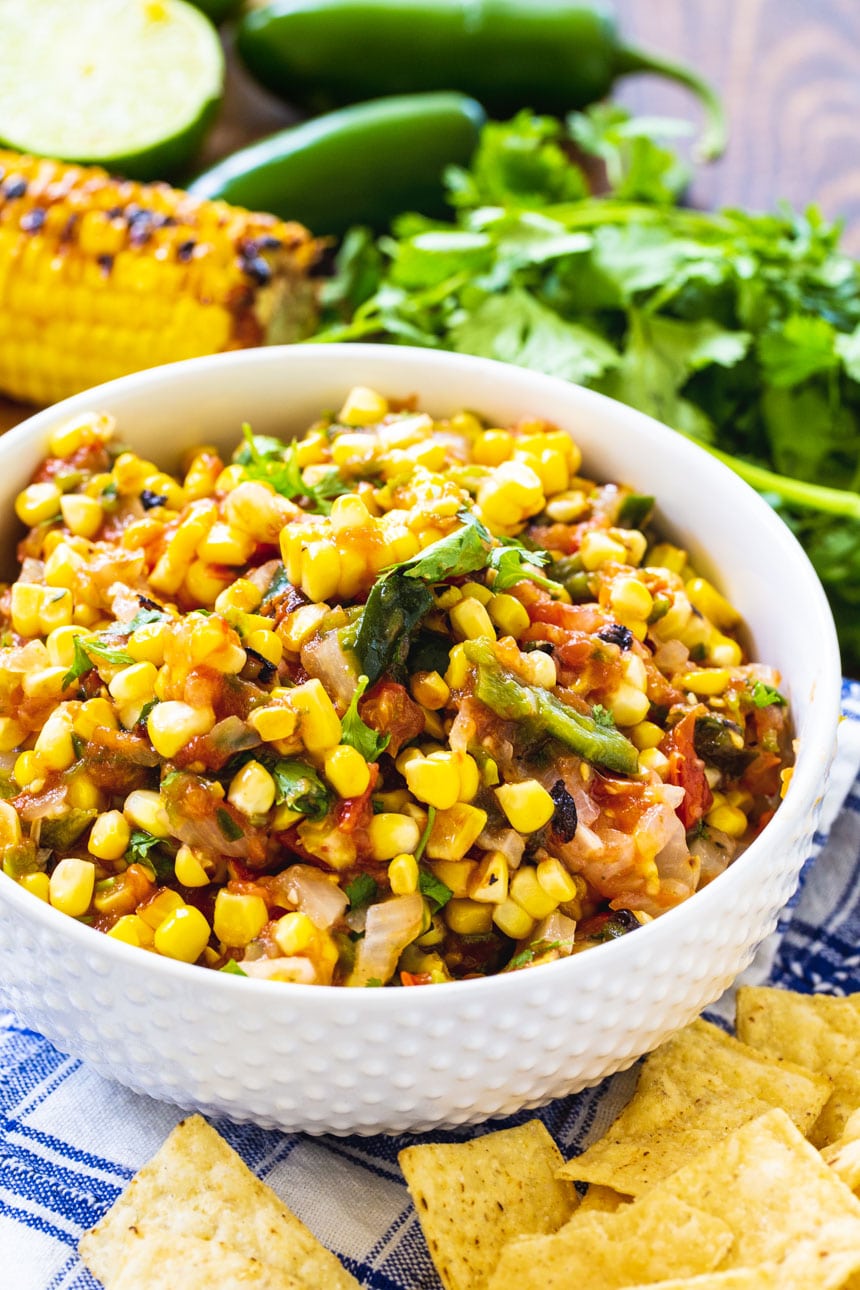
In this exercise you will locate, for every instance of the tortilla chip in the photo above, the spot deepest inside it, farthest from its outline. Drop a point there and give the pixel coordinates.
(819, 1031)
(197, 1193)
(192, 1263)
(473, 1197)
(761, 1278)
(780, 1200)
(692, 1091)
(603, 1200)
(843, 1155)
(639, 1244)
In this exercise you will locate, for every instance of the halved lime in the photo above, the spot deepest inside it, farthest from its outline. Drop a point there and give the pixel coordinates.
(128, 84)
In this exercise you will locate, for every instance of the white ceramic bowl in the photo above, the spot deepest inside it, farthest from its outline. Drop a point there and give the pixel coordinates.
(327, 1059)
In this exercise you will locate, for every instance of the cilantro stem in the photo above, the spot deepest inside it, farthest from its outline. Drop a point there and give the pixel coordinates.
(814, 497)
(425, 836)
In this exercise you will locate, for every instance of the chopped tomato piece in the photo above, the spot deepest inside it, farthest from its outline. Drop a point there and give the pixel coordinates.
(687, 770)
(389, 710)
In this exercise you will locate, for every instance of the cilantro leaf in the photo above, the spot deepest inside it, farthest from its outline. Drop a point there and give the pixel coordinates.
(434, 889)
(602, 716)
(370, 743)
(277, 463)
(361, 891)
(231, 829)
(765, 696)
(513, 563)
(298, 786)
(143, 849)
(81, 663)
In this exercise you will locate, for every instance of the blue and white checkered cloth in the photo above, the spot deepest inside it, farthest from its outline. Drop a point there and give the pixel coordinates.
(72, 1140)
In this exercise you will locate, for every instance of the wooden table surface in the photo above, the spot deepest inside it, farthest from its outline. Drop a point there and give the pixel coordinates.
(788, 72)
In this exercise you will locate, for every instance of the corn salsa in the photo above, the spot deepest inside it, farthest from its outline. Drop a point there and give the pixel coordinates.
(403, 701)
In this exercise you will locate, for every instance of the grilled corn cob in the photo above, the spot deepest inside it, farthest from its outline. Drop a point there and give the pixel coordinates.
(100, 277)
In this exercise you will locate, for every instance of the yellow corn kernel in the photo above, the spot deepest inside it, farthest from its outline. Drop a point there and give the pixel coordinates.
(634, 542)
(230, 477)
(54, 746)
(527, 805)
(83, 793)
(27, 601)
(38, 885)
(629, 706)
(63, 566)
(729, 819)
(226, 545)
(82, 515)
(301, 624)
(489, 883)
(457, 875)
(455, 831)
(470, 776)
(458, 668)
(131, 930)
(527, 891)
(134, 684)
(86, 615)
(539, 668)
(273, 722)
(321, 571)
(267, 644)
(182, 935)
(349, 512)
(239, 919)
(28, 769)
(75, 433)
(705, 597)
(10, 825)
(162, 485)
(242, 595)
(508, 615)
(311, 450)
(630, 600)
(318, 722)
(555, 880)
(171, 725)
(741, 798)
(189, 869)
(511, 494)
(651, 759)
(468, 917)
(109, 836)
(430, 690)
(434, 779)
(203, 583)
(61, 645)
(513, 920)
(392, 834)
(666, 556)
(470, 620)
(252, 790)
(646, 734)
(346, 771)
(725, 652)
(37, 502)
(71, 886)
(598, 548)
(492, 447)
(201, 475)
(362, 407)
(11, 734)
(403, 874)
(705, 681)
(154, 912)
(129, 472)
(56, 611)
(145, 809)
(294, 933)
(354, 449)
(146, 644)
(448, 598)
(567, 506)
(46, 683)
(92, 715)
(476, 591)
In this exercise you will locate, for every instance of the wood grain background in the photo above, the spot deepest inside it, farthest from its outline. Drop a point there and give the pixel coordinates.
(788, 72)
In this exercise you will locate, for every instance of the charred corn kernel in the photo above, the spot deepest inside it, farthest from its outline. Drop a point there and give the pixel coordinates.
(171, 725)
(528, 892)
(145, 809)
(294, 933)
(598, 548)
(666, 556)
(273, 722)
(319, 724)
(146, 644)
(10, 825)
(47, 683)
(489, 883)
(12, 733)
(539, 669)
(37, 502)
(511, 494)
(109, 836)
(470, 776)
(161, 485)
(204, 582)
(82, 515)
(508, 615)
(470, 620)
(476, 591)
(252, 790)
(61, 645)
(430, 690)
(38, 885)
(163, 903)
(224, 544)
(456, 874)
(362, 407)
(651, 759)
(630, 599)
(242, 595)
(455, 831)
(725, 652)
(83, 793)
(183, 935)
(391, 834)
(71, 886)
(729, 819)
(513, 920)
(647, 734)
(555, 880)
(628, 705)
(346, 771)
(239, 918)
(567, 506)
(267, 644)
(403, 874)
(92, 715)
(28, 769)
(448, 598)
(54, 746)
(527, 805)
(706, 681)
(189, 868)
(131, 930)
(301, 624)
(493, 447)
(434, 779)
(349, 512)
(468, 917)
(705, 597)
(134, 684)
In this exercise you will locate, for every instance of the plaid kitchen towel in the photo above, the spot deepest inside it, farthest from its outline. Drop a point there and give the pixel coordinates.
(70, 1140)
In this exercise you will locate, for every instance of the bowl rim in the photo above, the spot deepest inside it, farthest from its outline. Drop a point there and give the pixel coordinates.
(810, 767)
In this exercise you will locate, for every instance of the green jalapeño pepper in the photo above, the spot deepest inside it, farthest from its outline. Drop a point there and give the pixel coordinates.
(546, 55)
(361, 165)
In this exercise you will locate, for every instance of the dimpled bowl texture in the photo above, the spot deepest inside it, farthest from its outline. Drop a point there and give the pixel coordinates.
(326, 1059)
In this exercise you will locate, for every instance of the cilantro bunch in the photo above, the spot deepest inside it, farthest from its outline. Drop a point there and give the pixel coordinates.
(739, 330)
